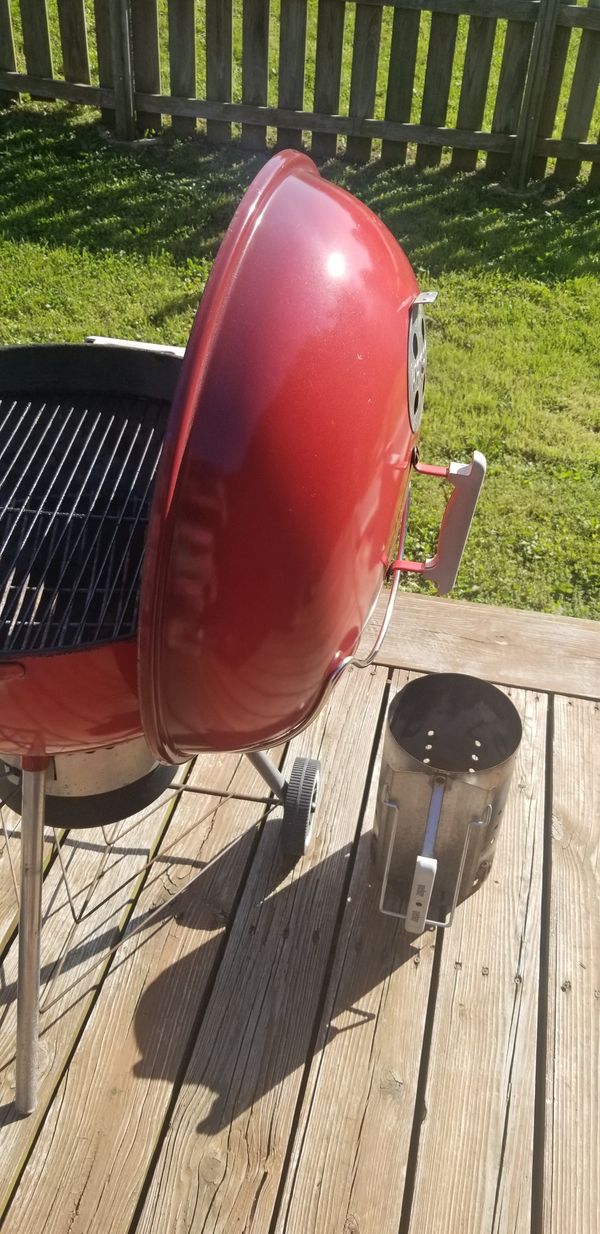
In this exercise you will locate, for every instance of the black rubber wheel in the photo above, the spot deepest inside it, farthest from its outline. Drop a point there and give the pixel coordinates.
(300, 805)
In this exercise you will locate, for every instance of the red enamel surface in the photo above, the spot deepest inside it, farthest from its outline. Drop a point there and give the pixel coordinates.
(284, 472)
(77, 701)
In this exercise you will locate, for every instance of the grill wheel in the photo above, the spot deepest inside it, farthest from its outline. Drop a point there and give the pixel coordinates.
(300, 806)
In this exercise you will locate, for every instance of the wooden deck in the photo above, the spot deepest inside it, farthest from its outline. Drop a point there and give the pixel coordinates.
(269, 1053)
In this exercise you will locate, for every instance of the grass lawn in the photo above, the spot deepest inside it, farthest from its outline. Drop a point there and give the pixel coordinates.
(97, 239)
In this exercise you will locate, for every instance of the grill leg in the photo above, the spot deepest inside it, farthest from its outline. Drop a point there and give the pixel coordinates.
(269, 772)
(30, 917)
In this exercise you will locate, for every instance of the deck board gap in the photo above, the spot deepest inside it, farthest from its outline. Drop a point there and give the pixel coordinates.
(103, 972)
(202, 1007)
(329, 969)
(420, 1109)
(8, 938)
(377, 737)
(539, 1109)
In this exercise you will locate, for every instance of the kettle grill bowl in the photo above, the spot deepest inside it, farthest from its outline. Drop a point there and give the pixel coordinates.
(244, 501)
(81, 436)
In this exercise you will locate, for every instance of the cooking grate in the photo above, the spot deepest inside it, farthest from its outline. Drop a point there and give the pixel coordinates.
(76, 478)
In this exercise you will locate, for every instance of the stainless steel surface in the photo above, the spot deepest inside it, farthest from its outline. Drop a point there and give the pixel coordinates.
(417, 364)
(364, 661)
(387, 617)
(87, 772)
(269, 772)
(162, 349)
(426, 297)
(416, 925)
(28, 988)
(453, 739)
(76, 481)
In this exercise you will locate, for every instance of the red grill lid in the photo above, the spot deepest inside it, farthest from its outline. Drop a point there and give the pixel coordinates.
(284, 468)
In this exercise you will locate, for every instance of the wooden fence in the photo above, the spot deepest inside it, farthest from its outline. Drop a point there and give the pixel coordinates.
(517, 68)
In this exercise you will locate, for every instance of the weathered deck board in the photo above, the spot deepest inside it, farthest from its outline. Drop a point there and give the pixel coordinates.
(268, 1055)
(12, 851)
(535, 651)
(224, 1151)
(135, 1042)
(481, 1077)
(81, 946)
(363, 1080)
(572, 1140)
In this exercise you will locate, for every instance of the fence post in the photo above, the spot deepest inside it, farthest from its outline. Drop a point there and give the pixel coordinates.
(533, 94)
(122, 66)
(7, 48)
(146, 58)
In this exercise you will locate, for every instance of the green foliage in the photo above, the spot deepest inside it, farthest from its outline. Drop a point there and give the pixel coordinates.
(99, 239)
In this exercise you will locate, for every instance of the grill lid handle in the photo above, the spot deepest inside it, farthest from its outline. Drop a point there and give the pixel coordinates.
(466, 480)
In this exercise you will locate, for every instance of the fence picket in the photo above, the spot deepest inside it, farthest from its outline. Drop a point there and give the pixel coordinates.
(104, 52)
(534, 60)
(8, 62)
(255, 66)
(292, 56)
(438, 76)
(120, 39)
(363, 84)
(513, 73)
(556, 72)
(36, 38)
(594, 180)
(474, 87)
(533, 94)
(328, 72)
(73, 40)
(582, 98)
(219, 57)
(401, 77)
(146, 57)
(182, 59)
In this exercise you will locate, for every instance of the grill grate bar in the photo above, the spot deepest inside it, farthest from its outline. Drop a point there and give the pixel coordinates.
(10, 498)
(40, 525)
(18, 511)
(134, 526)
(12, 434)
(80, 537)
(20, 504)
(75, 487)
(5, 421)
(136, 577)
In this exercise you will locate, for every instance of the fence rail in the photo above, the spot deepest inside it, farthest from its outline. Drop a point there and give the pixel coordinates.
(514, 81)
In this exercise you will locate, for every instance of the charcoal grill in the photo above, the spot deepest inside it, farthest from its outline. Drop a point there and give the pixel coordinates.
(76, 478)
(192, 546)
